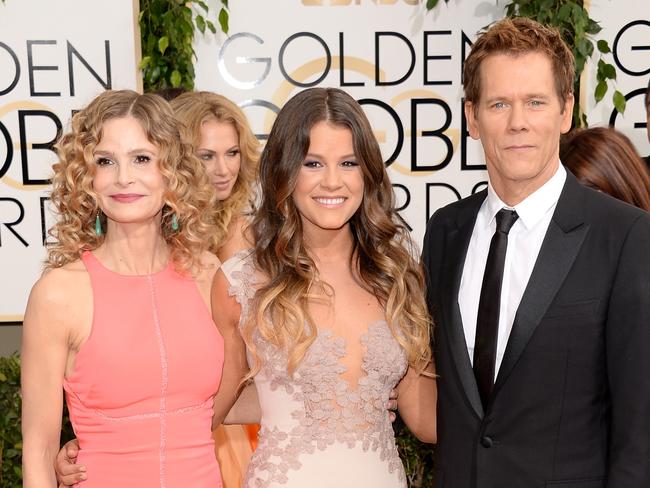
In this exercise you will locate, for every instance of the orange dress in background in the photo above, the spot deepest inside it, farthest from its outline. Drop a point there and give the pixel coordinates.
(234, 445)
(141, 393)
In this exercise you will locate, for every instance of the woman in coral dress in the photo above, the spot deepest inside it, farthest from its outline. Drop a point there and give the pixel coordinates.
(121, 320)
(222, 140)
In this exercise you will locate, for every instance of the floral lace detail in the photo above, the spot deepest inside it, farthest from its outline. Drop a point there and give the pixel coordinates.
(241, 280)
(331, 411)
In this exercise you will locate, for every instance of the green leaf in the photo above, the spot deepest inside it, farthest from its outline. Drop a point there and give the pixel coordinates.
(223, 20)
(431, 4)
(593, 27)
(187, 28)
(600, 72)
(2, 377)
(224, 3)
(155, 74)
(200, 23)
(619, 101)
(175, 79)
(601, 89)
(203, 6)
(603, 46)
(144, 62)
(211, 26)
(564, 12)
(584, 46)
(546, 5)
(163, 44)
(609, 71)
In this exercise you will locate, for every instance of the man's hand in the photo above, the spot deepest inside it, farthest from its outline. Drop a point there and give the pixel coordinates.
(68, 472)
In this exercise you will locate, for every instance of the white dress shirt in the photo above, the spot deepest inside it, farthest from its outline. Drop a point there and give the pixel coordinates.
(524, 242)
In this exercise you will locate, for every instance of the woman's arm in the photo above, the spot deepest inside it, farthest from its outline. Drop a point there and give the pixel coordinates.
(246, 409)
(417, 395)
(225, 313)
(43, 360)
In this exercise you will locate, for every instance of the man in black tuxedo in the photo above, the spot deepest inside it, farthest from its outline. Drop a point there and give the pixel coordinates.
(540, 292)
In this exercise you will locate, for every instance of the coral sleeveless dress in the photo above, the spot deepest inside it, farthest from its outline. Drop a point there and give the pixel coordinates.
(141, 393)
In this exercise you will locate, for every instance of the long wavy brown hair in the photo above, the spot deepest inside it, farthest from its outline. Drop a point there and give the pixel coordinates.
(193, 109)
(188, 192)
(606, 160)
(382, 256)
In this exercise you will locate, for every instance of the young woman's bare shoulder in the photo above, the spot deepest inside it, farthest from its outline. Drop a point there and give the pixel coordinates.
(209, 266)
(239, 238)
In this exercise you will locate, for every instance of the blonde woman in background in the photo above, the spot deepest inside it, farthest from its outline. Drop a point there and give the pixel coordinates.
(223, 140)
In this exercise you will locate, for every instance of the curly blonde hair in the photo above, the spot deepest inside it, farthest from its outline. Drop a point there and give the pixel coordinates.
(193, 109)
(382, 256)
(188, 192)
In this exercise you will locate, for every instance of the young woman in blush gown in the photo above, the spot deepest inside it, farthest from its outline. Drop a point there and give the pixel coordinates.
(331, 305)
(121, 320)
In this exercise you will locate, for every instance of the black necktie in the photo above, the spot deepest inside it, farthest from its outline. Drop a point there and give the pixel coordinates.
(487, 323)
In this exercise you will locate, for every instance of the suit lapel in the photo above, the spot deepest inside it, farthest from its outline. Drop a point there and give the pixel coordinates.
(561, 245)
(457, 243)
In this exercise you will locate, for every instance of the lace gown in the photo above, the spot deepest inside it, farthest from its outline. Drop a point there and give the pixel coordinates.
(318, 430)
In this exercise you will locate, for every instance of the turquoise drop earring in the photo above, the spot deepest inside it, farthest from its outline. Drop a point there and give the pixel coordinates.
(98, 225)
(174, 222)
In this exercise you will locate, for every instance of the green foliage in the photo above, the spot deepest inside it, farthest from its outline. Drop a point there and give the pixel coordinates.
(167, 30)
(433, 3)
(577, 29)
(11, 443)
(416, 456)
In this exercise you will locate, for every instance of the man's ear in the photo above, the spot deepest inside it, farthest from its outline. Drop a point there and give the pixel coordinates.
(567, 114)
(470, 116)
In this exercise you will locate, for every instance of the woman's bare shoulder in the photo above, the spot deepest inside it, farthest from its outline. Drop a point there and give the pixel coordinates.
(61, 283)
(239, 238)
(58, 297)
(209, 264)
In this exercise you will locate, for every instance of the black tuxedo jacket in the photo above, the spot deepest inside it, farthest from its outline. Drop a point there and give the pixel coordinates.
(571, 402)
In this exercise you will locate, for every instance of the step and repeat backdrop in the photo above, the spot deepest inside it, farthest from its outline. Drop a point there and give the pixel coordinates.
(402, 63)
(54, 58)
